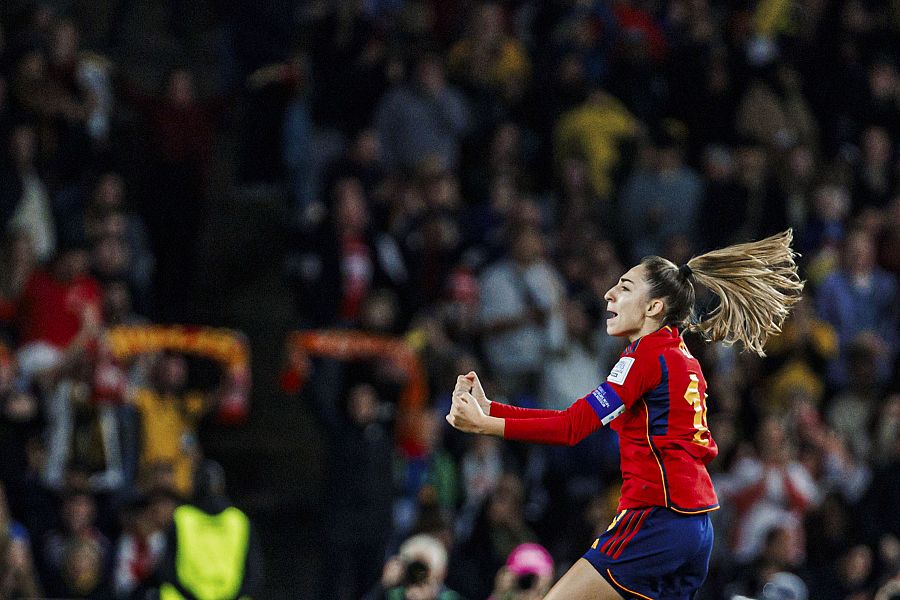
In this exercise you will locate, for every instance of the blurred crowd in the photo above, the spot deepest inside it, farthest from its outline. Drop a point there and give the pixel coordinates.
(471, 177)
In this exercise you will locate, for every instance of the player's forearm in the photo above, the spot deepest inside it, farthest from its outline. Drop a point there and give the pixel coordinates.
(507, 411)
(563, 428)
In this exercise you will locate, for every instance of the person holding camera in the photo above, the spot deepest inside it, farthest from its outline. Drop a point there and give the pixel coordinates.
(527, 574)
(417, 572)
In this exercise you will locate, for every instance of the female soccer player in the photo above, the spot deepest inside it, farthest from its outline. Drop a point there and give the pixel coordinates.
(658, 546)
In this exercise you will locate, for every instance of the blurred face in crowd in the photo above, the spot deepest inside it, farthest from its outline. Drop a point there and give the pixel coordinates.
(78, 512)
(380, 312)
(440, 189)
(859, 254)
(832, 202)
(367, 149)
(772, 443)
(528, 247)
(628, 305)
(575, 180)
(876, 146)
(779, 548)
(430, 73)
(801, 163)
(172, 373)
(351, 213)
(717, 163)
(751, 165)
(72, 263)
(180, 89)
(856, 565)
(110, 191)
(668, 158)
(506, 142)
(488, 23)
(65, 43)
(32, 65)
(577, 323)
(883, 80)
(362, 404)
(7, 372)
(116, 301)
(505, 504)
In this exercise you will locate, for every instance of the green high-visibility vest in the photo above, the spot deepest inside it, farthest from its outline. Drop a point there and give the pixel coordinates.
(211, 553)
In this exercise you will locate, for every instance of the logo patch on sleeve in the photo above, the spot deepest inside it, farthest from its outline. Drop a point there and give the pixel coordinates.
(620, 371)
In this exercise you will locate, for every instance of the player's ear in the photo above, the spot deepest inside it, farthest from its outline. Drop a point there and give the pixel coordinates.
(656, 308)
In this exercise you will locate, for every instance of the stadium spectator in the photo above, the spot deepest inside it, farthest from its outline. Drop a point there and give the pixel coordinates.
(499, 527)
(26, 203)
(527, 574)
(659, 200)
(424, 470)
(59, 317)
(343, 262)
(774, 111)
(169, 414)
(492, 67)
(425, 117)
(19, 576)
(139, 549)
(417, 572)
(360, 491)
(768, 489)
(860, 302)
(521, 303)
(181, 130)
(595, 131)
(17, 261)
(77, 556)
(212, 549)
(120, 238)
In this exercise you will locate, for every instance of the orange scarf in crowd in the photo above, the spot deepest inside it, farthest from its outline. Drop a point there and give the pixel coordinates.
(353, 346)
(225, 346)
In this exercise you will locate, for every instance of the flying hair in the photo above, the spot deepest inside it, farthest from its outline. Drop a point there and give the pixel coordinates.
(756, 283)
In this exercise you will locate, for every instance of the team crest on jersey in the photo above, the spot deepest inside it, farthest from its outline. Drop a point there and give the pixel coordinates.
(620, 371)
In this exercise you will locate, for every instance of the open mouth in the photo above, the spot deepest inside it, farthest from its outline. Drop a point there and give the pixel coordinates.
(610, 315)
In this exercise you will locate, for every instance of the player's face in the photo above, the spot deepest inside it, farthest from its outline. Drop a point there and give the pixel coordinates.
(627, 304)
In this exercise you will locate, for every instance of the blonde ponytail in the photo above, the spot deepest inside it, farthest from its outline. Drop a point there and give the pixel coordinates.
(756, 284)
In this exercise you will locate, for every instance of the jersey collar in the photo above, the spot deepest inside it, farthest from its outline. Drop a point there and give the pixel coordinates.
(666, 331)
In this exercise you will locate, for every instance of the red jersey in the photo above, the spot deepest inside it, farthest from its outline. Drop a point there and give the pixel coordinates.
(51, 310)
(655, 399)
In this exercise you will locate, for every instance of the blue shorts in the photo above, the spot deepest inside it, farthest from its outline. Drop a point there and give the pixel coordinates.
(654, 553)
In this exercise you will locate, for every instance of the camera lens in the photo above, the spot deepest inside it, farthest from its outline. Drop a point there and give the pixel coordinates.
(526, 581)
(416, 573)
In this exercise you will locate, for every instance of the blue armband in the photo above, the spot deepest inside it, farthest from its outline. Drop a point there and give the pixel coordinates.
(606, 403)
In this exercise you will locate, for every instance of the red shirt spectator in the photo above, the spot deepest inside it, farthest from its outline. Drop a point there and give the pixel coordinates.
(54, 301)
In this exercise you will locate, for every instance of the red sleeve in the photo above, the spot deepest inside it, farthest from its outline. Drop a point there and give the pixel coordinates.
(507, 411)
(635, 375)
(565, 427)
